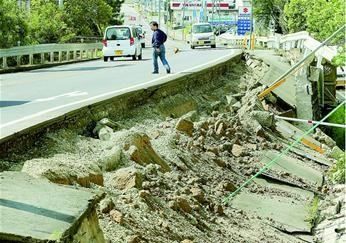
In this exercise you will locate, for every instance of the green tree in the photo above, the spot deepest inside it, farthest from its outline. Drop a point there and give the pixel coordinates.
(320, 18)
(267, 11)
(325, 17)
(13, 27)
(88, 17)
(117, 17)
(295, 13)
(47, 23)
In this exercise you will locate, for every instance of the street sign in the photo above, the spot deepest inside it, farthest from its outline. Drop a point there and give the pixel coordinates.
(244, 20)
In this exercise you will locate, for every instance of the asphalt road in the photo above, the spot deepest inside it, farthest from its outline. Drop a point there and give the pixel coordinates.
(29, 95)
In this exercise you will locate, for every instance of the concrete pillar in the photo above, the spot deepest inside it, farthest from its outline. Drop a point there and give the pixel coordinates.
(31, 59)
(74, 55)
(19, 60)
(52, 57)
(4, 62)
(42, 58)
(60, 56)
(67, 55)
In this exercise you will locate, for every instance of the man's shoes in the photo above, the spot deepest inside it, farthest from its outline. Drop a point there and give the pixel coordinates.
(168, 71)
(155, 72)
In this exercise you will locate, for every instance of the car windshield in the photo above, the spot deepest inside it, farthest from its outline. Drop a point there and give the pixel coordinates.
(139, 30)
(118, 33)
(202, 28)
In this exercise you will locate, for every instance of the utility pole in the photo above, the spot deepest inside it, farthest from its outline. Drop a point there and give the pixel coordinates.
(159, 13)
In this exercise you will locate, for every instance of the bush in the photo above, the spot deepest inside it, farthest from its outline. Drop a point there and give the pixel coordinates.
(13, 25)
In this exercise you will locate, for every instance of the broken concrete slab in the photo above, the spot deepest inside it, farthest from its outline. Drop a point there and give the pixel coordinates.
(292, 166)
(291, 214)
(36, 210)
(287, 130)
(59, 170)
(308, 195)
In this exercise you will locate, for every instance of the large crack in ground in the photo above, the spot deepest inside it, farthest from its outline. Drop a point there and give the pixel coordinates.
(167, 168)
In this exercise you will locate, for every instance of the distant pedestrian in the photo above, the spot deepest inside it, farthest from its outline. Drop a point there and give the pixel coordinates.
(159, 50)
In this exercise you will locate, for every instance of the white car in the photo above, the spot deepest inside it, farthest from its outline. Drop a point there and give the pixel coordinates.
(121, 41)
(141, 34)
(202, 35)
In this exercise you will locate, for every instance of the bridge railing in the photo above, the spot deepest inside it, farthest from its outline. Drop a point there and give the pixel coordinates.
(48, 53)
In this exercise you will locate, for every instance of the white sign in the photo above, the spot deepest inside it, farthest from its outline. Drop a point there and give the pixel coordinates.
(244, 10)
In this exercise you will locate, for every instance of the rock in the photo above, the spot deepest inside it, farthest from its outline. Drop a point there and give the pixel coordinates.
(117, 216)
(187, 241)
(144, 194)
(141, 151)
(127, 178)
(112, 159)
(231, 100)
(237, 150)
(213, 150)
(221, 129)
(134, 239)
(336, 153)
(251, 146)
(67, 170)
(220, 162)
(185, 126)
(191, 116)
(105, 133)
(198, 194)
(227, 146)
(104, 129)
(264, 118)
(106, 205)
(182, 204)
(236, 106)
(229, 187)
(218, 209)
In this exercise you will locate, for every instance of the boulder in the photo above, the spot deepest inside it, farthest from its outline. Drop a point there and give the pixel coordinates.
(112, 159)
(264, 118)
(106, 205)
(117, 216)
(185, 126)
(237, 150)
(141, 151)
(198, 194)
(127, 178)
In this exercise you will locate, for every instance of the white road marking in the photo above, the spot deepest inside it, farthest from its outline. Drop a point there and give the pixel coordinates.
(71, 94)
(107, 94)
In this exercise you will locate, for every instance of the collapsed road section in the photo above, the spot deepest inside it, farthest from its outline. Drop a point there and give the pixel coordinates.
(157, 165)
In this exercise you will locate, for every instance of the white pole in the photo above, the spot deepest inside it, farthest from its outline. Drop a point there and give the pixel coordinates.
(310, 121)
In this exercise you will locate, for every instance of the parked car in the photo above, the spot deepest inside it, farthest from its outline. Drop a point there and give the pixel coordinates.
(121, 41)
(202, 34)
(141, 34)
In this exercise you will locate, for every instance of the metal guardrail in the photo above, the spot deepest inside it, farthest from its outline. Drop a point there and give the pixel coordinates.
(70, 52)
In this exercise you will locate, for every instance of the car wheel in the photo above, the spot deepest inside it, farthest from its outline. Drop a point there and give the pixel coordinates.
(112, 58)
(213, 46)
(192, 47)
(134, 57)
(140, 56)
(105, 59)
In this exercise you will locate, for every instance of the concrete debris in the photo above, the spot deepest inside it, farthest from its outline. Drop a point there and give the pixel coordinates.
(237, 150)
(185, 126)
(127, 178)
(106, 205)
(141, 151)
(264, 118)
(117, 216)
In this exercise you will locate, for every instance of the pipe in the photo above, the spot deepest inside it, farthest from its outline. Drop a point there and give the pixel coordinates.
(310, 121)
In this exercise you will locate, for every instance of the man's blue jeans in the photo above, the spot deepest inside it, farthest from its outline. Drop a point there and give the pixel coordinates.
(162, 55)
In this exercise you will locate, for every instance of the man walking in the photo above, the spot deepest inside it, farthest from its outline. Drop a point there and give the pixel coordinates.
(159, 50)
